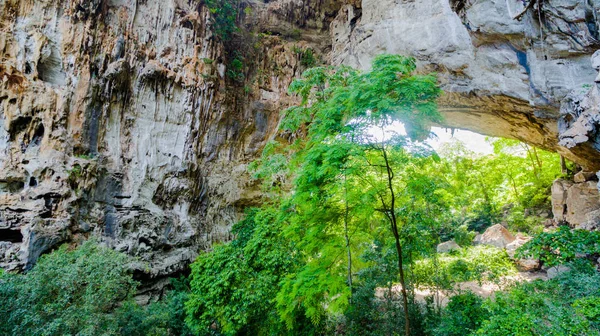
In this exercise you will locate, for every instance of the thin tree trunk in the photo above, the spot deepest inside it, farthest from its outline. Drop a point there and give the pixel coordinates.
(563, 165)
(347, 236)
(537, 158)
(533, 165)
(394, 225)
(514, 185)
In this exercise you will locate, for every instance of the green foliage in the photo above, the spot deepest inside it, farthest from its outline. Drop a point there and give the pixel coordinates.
(161, 318)
(291, 262)
(307, 58)
(233, 287)
(86, 291)
(552, 307)
(480, 263)
(85, 156)
(388, 91)
(294, 34)
(376, 306)
(335, 191)
(589, 307)
(224, 16)
(510, 185)
(236, 68)
(561, 246)
(337, 177)
(67, 293)
(463, 315)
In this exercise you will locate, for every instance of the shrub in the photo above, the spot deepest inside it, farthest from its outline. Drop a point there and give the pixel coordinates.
(553, 307)
(561, 246)
(161, 318)
(481, 263)
(233, 287)
(224, 16)
(68, 292)
(463, 314)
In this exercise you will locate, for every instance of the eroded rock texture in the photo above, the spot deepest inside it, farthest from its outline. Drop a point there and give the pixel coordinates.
(120, 121)
(125, 119)
(502, 76)
(577, 203)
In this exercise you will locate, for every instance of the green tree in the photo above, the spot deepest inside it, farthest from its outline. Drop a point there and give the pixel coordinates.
(234, 286)
(68, 292)
(339, 105)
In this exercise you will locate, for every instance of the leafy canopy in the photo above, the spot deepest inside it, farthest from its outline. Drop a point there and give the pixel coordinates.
(68, 292)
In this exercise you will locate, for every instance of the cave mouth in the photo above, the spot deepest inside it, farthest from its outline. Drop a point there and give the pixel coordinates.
(11, 236)
(440, 137)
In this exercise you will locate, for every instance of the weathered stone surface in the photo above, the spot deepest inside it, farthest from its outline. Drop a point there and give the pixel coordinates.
(520, 240)
(559, 199)
(502, 77)
(555, 271)
(448, 246)
(496, 235)
(584, 176)
(579, 121)
(524, 265)
(575, 203)
(120, 120)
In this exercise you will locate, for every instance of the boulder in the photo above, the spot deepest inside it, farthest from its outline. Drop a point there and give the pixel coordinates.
(524, 265)
(527, 265)
(520, 240)
(554, 271)
(447, 246)
(496, 235)
(584, 176)
(592, 221)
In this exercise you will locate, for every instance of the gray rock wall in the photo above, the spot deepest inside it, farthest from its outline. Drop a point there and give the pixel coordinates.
(502, 76)
(119, 121)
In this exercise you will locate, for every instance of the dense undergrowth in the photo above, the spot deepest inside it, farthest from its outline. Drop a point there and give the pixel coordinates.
(347, 232)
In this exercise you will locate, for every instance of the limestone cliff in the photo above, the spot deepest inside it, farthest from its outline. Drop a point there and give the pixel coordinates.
(128, 120)
(503, 76)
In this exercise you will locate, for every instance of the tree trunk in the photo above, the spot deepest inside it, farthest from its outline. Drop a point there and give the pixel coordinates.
(394, 225)
(563, 165)
(346, 235)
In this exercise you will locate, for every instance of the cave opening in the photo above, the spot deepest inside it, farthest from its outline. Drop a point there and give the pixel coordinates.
(11, 235)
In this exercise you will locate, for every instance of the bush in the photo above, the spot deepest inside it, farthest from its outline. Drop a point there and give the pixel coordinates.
(233, 287)
(165, 317)
(554, 307)
(561, 246)
(68, 292)
(224, 15)
(463, 314)
(481, 263)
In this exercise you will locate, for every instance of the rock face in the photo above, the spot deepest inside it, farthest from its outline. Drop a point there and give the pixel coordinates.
(125, 119)
(576, 203)
(502, 76)
(121, 119)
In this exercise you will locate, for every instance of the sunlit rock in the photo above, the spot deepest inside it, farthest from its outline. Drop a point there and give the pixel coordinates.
(496, 235)
(448, 246)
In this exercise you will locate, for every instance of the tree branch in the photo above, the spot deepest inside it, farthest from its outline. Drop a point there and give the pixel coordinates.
(529, 6)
